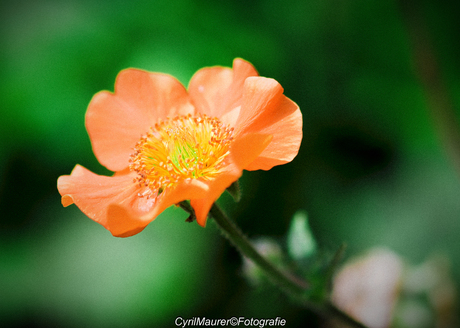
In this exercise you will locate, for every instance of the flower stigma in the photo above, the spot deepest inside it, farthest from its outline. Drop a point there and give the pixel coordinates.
(185, 147)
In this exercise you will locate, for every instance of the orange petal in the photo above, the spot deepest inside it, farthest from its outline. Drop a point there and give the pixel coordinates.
(217, 186)
(94, 194)
(115, 121)
(124, 223)
(248, 147)
(186, 189)
(266, 110)
(201, 207)
(242, 152)
(216, 91)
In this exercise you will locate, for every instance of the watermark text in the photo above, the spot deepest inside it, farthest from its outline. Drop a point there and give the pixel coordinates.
(231, 322)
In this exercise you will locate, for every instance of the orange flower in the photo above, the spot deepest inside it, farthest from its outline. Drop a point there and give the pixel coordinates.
(166, 144)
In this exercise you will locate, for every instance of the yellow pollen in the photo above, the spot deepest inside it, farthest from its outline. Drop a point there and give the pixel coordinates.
(185, 147)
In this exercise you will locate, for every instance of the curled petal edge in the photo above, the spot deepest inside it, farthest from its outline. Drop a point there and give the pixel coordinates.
(114, 203)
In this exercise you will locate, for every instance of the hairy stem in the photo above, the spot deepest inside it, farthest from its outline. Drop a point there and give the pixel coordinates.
(289, 283)
(294, 287)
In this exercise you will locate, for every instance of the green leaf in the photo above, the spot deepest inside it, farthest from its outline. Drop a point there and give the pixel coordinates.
(301, 243)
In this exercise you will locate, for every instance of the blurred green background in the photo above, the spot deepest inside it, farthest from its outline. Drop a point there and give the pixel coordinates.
(371, 169)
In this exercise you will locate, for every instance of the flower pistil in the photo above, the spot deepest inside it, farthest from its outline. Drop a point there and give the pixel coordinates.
(185, 147)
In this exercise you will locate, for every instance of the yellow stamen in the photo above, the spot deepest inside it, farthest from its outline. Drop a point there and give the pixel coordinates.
(185, 147)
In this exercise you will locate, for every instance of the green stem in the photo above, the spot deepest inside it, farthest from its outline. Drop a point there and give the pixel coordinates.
(293, 286)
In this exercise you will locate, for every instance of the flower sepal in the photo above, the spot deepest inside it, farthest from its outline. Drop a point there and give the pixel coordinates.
(185, 205)
(235, 191)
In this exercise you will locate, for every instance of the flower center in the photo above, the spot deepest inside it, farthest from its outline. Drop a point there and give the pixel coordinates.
(185, 147)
